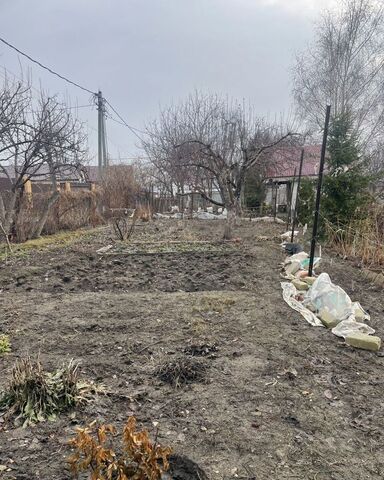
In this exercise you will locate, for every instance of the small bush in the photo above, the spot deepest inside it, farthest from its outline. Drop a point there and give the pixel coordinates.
(140, 459)
(5, 344)
(35, 395)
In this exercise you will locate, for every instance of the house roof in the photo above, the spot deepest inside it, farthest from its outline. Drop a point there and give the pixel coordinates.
(69, 174)
(284, 162)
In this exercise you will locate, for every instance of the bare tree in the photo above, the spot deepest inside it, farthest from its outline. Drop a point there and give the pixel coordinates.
(62, 148)
(345, 68)
(209, 143)
(36, 139)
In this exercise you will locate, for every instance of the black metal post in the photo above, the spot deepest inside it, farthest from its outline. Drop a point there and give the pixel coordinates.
(297, 195)
(318, 194)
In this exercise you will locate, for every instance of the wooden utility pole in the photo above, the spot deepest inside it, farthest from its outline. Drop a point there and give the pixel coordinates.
(318, 195)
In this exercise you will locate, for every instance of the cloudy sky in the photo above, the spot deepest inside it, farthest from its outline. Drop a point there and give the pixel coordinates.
(147, 53)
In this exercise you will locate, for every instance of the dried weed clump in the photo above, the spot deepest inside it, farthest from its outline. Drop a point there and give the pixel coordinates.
(139, 459)
(34, 395)
(181, 370)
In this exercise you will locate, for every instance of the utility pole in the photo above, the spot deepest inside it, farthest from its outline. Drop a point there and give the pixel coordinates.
(102, 143)
(318, 194)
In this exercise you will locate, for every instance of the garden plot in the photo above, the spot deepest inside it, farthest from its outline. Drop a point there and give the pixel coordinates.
(202, 344)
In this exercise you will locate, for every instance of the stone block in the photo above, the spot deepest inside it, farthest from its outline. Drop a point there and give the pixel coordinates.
(292, 267)
(364, 341)
(359, 313)
(327, 318)
(300, 285)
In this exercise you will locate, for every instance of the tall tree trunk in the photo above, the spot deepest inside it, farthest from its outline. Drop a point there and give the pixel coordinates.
(234, 212)
(2, 209)
(44, 217)
(10, 212)
(230, 222)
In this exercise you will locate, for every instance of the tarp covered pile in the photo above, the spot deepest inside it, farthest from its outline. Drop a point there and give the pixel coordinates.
(322, 303)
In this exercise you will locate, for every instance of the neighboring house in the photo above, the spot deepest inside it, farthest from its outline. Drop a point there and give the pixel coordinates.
(282, 175)
(41, 179)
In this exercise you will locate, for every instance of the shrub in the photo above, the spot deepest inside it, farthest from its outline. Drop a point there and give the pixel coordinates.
(71, 211)
(35, 395)
(140, 459)
(306, 206)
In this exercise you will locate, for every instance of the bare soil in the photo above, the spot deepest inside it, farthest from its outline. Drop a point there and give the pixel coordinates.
(276, 398)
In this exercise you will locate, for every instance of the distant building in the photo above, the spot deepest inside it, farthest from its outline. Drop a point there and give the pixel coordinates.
(280, 176)
(41, 179)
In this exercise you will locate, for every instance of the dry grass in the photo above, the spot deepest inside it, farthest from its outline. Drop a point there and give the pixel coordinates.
(362, 239)
(48, 242)
(214, 303)
(72, 210)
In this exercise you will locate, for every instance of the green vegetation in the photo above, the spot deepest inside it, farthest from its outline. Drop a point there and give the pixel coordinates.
(345, 194)
(254, 189)
(345, 190)
(5, 344)
(307, 201)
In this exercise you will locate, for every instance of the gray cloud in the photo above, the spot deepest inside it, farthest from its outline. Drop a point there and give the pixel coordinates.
(143, 53)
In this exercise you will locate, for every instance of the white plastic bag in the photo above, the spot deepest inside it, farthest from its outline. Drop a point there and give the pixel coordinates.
(325, 295)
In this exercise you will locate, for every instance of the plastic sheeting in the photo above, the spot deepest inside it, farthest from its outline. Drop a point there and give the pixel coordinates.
(346, 327)
(289, 293)
(325, 295)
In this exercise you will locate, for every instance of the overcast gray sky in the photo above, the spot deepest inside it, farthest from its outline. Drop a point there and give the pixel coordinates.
(146, 53)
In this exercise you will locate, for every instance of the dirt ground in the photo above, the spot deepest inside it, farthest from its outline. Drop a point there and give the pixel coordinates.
(280, 399)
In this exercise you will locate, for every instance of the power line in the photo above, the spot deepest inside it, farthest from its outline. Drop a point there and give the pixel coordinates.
(119, 147)
(132, 129)
(45, 68)
(66, 79)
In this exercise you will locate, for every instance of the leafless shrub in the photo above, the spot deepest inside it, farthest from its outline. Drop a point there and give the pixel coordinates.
(119, 187)
(123, 227)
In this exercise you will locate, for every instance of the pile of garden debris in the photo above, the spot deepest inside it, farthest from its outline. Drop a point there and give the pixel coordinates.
(322, 303)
